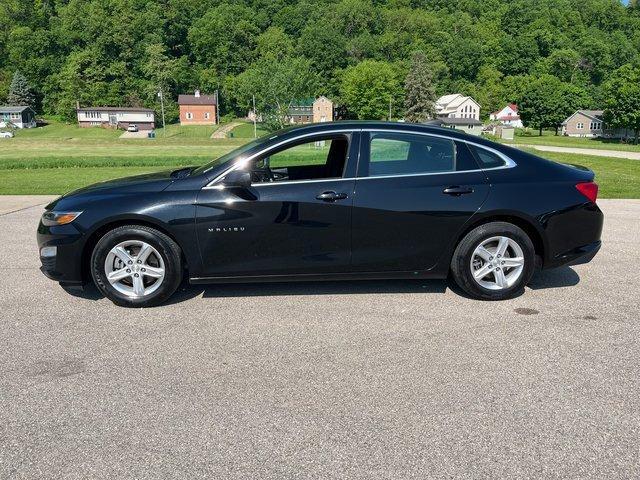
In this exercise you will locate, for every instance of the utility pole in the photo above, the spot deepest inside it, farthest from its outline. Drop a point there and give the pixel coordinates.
(164, 127)
(217, 108)
(389, 107)
(255, 118)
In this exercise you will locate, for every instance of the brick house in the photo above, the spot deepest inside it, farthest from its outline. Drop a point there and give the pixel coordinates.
(198, 109)
(311, 110)
(116, 117)
(590, 123)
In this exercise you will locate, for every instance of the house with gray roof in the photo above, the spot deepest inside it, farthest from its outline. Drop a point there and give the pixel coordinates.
(116, 117)
(590, 123)
(18, 117)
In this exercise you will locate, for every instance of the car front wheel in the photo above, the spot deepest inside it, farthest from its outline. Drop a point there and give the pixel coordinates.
(136, 266)
(494, 261)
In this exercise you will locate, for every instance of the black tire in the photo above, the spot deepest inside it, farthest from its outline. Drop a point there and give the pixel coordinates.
(168, 249)
(461, 262)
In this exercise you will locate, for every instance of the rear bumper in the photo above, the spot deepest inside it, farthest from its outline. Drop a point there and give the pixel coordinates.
(580, 255)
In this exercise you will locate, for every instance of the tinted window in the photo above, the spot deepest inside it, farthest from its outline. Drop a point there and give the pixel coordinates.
(486, 158)
(402, 153)
(320, 158)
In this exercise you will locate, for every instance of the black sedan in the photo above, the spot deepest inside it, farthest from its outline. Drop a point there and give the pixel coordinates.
(331, 201)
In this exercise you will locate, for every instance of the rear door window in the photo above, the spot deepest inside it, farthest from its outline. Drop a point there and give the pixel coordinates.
(406, 154)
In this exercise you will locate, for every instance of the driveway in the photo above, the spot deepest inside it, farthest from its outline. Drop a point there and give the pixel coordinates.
(583, 151)
(357, 380)
(138, 134)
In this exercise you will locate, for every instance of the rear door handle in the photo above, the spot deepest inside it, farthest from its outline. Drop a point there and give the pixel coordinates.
(457, 190)
(331, 196)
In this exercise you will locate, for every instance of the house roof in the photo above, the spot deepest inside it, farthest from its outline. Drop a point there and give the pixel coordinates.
(512, 106)
(197, 100)
(303, 102)
(450, 103)
(12, 109)
(593, 114)
(115, 109)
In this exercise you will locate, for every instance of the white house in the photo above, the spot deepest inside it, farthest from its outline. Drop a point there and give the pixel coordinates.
(19, 117)
(457, 106)
(507, 116)
(116, 117)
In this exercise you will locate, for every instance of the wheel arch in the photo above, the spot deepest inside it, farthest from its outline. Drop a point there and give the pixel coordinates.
(527, 225)
(109, 225)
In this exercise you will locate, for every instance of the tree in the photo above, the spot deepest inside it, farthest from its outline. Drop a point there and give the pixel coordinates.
(622, 100)
(547, 101)
(225, 38)
(368, 89)
(20, 92)
(276, 86)
(420, 94)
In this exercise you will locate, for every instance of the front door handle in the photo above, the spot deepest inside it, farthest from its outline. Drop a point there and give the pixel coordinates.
(331, 196)
(457, 190)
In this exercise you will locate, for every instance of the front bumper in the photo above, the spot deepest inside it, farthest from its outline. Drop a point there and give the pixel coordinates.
(65, 266)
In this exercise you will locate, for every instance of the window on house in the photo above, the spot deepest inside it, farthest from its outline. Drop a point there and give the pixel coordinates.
(206, 115)
(579, 126)
(189, 116)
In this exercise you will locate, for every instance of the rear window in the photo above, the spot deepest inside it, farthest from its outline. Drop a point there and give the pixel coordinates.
(487, 159)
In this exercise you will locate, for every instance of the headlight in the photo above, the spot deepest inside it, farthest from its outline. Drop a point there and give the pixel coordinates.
(58, 218)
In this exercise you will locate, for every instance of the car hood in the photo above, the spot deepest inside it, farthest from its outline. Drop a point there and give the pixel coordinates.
(147, 183)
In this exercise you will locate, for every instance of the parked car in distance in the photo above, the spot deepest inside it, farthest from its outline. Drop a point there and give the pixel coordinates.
(330, 201)
(6, 135)
(132, 128)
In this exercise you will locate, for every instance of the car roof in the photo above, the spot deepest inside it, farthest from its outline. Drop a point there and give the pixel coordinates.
(372, 125)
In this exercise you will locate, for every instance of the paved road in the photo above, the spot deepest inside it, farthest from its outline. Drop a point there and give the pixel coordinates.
(584, 151)
(360, 380)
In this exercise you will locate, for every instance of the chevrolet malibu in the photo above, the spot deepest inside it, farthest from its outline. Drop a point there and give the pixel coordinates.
(331, 201)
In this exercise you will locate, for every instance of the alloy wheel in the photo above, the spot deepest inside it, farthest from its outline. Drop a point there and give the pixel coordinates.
(497, 263)
(134, 268)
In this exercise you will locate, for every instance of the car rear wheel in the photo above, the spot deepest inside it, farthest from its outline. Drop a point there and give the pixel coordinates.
(494, 261)
(136, 266)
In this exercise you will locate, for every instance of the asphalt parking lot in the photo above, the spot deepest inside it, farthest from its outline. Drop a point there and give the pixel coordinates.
(363, 380)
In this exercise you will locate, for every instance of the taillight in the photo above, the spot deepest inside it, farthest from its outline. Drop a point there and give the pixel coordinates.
(588, 189)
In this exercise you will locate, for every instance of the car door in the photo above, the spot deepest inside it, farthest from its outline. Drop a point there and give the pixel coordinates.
(413, 193)
(294, 218)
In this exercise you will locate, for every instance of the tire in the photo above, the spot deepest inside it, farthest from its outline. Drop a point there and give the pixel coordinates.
(502, 276)
(157, 270)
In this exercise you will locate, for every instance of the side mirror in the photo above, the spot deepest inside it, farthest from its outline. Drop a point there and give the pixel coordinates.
(237, 178)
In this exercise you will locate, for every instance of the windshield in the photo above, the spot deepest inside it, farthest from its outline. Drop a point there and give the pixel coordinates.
(232, 154)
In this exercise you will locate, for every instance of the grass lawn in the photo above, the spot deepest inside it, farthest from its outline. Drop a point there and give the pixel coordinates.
(616, 177)
(59, 157)
(246, 130)
(549, 138)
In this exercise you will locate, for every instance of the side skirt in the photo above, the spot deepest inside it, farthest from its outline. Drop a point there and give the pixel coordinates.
(321, 277)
